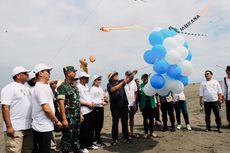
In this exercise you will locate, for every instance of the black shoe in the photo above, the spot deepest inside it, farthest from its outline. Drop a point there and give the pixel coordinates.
(114, 142)
(128, 141)
(173, 129)
(165, 129)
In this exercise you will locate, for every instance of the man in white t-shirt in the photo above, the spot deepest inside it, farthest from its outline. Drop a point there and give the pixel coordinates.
(16, 111)
(226, 93)
(43, 112)
(131, 94)
(87, 127)
(210, 95)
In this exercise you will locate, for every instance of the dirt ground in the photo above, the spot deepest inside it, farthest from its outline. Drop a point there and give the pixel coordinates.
(182, 141)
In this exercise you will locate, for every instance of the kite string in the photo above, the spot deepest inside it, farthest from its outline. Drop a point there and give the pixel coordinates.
(76, 30)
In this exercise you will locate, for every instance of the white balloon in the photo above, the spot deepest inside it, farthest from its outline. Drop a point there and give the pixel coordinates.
(183, 52)
(173, 57)
(177, 86)
(180, 39)
(163, 91)
(170, 43)
(186, 67)
(149, 90)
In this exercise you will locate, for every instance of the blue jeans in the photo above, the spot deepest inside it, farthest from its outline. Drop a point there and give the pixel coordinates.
(179, 106)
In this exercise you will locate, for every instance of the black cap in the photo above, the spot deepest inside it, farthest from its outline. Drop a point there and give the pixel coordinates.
(228, 68)
(144, 76)
(128, 72)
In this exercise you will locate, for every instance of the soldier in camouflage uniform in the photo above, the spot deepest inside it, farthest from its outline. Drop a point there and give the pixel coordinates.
(68, 97)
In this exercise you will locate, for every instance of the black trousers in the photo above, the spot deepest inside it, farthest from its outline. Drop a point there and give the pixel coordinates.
(148, 114)
(228, 110)
(41, 141)
(167, 108)
(98, 113)
(116, 115)
(86, 130)
(208, 107)
(181, 105)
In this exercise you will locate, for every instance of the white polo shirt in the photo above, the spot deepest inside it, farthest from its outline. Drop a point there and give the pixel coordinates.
(16, 95)
(97, 95)
(84, 97)
(130, 90)
(42, 94)
(209, 90)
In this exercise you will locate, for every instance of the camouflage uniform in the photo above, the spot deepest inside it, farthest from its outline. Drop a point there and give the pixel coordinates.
(70, 135)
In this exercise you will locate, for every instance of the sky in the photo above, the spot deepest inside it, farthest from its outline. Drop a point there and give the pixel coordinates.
(61, 32)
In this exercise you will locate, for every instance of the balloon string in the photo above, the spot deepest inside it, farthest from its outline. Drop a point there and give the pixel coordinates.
(141, 68)
(220, 66)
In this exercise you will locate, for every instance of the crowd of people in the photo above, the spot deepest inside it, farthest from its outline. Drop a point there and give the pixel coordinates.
(33, 106)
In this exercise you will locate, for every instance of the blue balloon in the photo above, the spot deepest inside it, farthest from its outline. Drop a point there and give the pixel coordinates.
(156, 38)
(161, 66)
(149, 57)
(157, 81)
(186, 44)
(184, 80)
(167, 33)
(159, 51)
(189, 57)
(174, 71)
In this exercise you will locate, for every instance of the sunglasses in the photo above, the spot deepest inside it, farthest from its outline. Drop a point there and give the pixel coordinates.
(25, 73)
(206, 74)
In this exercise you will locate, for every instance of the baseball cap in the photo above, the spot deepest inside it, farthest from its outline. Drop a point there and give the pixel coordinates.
(69, 68)
(19, 69)
(83, 74)
(111, 74)
(31, 75)
(41, 67)
(96, 77)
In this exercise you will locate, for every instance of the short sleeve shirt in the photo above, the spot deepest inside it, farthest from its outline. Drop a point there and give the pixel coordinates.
(130, 90)
(17, 96)
(42, 94)
(118, 99)
(85, 97)
(69, 93)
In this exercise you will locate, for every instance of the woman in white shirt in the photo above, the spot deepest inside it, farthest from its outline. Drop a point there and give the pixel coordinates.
(97, 95)
(181, 105)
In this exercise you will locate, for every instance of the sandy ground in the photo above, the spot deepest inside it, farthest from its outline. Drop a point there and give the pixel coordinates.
(182, 141)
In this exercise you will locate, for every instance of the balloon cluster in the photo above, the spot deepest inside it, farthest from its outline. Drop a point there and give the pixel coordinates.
(171, 62)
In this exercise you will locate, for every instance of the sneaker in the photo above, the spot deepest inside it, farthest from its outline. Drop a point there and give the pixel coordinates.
(189, 127)
(145, 136)
(128, 141)
(207, 129)
(84, 150)
(178, 127)
(93, 147)
(219, 130)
